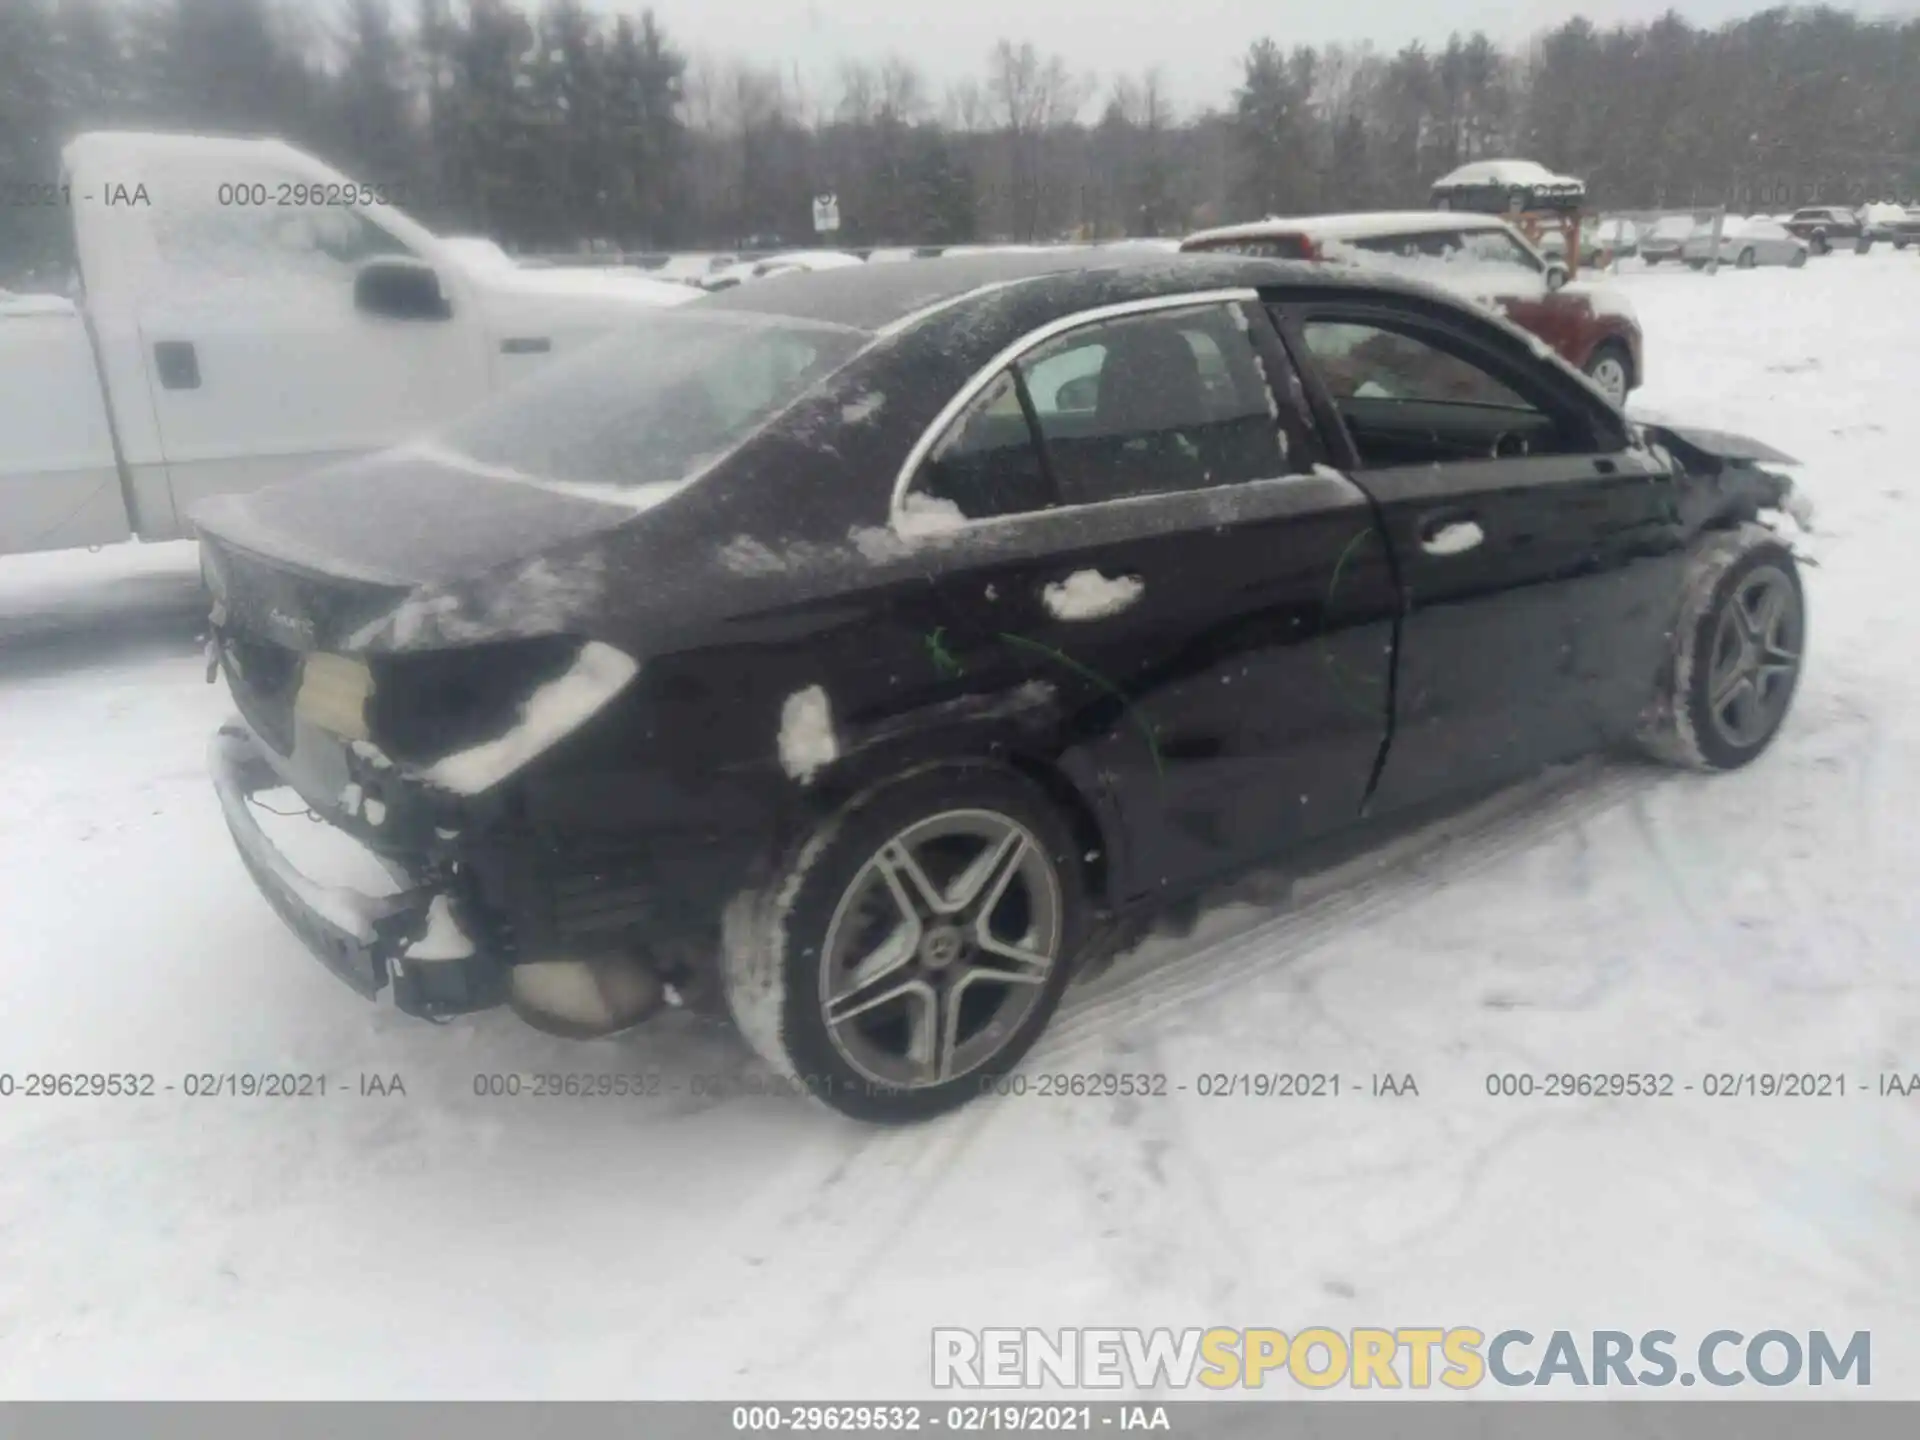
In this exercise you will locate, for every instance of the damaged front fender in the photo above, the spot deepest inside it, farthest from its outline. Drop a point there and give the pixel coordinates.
(1731, 482)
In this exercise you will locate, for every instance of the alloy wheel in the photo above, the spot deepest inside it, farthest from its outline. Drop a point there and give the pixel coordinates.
(1756, 655)
(939, 948)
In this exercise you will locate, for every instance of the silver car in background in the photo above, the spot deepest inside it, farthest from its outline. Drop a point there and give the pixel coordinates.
(1666, 239)
(1744, 244)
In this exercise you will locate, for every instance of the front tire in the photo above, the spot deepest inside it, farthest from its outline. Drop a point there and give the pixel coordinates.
(914, 947)
(1799, 259)
(1741, 639)
(1747, 259)
(1610, 368)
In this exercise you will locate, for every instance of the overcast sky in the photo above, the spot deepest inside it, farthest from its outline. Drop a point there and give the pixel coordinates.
(1196, 42)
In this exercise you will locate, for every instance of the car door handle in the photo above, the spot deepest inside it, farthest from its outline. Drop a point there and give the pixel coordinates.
(1450, 532)
(177, 364)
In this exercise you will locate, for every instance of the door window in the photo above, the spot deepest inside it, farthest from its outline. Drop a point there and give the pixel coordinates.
(1145, 404)
(1156, 403)
(987, 464)
(1406, 400)
(1421, 245)
(1497, 247)
(234, 232)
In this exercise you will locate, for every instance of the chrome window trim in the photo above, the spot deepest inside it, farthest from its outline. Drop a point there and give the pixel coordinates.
(1033, 339)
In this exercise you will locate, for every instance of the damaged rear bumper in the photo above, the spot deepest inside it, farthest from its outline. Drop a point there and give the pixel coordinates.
(363, 939)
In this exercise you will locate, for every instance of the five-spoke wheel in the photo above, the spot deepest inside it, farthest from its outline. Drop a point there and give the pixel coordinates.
(1756, 655)
(915, 946)
(939, 948)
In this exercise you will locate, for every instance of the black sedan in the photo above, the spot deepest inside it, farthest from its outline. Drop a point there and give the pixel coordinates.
(861, 653)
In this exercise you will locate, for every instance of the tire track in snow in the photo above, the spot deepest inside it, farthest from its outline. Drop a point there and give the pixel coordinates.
(1155, 1196)
(847, 1179)
(1386, 881)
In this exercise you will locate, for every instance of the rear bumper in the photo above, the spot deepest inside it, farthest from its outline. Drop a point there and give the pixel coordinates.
(362, 939)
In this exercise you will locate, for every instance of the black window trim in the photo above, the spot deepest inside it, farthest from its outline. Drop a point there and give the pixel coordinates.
(1562, 397)
(1009, 358)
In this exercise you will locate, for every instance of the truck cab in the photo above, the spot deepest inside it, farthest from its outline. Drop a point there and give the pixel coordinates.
(246, 313)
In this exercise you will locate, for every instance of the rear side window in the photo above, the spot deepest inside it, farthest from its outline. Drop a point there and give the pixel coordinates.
(1171, 401)
(1146, 404)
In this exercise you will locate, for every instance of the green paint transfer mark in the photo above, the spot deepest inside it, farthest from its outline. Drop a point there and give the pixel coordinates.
(1139, 719)
(943, 658)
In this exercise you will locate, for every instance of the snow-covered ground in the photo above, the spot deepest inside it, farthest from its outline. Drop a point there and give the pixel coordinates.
(444, 1244)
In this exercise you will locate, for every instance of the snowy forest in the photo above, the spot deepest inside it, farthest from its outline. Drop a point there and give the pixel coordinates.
(553, 127)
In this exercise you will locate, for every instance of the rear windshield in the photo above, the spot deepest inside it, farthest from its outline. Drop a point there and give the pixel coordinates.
(671, 391)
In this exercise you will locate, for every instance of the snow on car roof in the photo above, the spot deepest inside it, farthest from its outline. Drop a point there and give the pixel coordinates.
(1502, 172)
(1360, 226)
(870, 297)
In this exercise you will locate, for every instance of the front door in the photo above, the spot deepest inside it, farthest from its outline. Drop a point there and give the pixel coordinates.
(1537, 552)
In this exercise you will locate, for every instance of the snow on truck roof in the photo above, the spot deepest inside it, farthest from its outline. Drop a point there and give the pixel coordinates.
(1361, 226)
(101, 148)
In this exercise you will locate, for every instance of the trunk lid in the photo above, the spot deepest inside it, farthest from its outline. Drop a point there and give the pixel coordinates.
(417, 515)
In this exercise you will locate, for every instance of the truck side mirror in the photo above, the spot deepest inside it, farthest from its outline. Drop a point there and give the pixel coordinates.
(400, 289)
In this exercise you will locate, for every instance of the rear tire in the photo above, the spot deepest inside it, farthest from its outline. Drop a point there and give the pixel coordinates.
(1799, 259)
(1740, 644)
(955, 991)
(1818, 242)
(1747, 259)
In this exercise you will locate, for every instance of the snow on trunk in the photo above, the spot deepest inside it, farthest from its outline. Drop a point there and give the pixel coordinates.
(549, 714)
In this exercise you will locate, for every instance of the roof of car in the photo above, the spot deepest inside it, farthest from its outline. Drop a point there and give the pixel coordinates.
(1352, 227)
(1503, 172)
(879, 297)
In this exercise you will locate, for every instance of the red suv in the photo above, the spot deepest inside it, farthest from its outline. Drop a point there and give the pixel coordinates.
(1592, 327)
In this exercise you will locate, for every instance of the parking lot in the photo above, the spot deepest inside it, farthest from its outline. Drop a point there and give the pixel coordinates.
(404, 1231)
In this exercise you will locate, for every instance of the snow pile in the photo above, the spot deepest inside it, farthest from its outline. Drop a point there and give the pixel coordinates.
(1455, 539)
(922, 514)
(1089, 595)
(554, 711)
(744, 555)
(807, 743)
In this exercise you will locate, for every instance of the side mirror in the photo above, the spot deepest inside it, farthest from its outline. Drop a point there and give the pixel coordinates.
(1556, 275)
(400, 289)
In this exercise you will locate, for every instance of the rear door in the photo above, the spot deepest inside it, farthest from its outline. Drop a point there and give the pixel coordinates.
(1147, 543)
(1539, 555)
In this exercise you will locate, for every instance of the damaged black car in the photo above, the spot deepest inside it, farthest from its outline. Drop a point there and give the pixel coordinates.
(860, 653)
